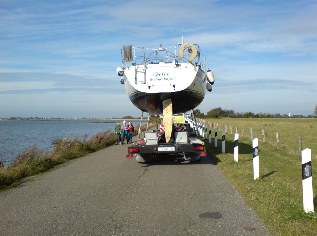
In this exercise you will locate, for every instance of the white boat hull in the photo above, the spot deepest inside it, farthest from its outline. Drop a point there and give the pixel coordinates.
(148, 86)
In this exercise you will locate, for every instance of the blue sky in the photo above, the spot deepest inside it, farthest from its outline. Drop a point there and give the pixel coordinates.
(58, 58)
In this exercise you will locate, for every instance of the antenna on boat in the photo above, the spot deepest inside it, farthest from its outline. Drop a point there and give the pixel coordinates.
(182, 39)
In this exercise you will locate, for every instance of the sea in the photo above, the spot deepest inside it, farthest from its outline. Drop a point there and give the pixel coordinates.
(19, 135)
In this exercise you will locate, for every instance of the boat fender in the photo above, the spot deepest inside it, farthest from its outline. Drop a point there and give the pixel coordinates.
(120, 71)
(210, 77)
(191, 48)
(208, 87)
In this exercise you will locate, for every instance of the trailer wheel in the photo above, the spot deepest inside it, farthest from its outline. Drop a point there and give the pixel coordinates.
(195, 159)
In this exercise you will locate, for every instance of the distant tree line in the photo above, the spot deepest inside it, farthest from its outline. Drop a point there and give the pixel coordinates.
(219, 112)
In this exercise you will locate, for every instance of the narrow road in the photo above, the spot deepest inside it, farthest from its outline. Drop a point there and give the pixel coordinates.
(105, 193)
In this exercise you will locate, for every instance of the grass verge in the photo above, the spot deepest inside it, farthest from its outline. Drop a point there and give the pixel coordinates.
(277, 195)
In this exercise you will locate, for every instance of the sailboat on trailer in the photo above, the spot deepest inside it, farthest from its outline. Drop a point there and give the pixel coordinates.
(174, 76)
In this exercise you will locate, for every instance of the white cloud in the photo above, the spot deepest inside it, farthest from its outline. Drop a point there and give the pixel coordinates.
(75, 46)
(5, 86)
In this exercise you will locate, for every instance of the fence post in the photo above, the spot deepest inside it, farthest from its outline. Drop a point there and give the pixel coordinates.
(251, 134)
(256, 162)
(216, 138)
(203, 130)
(307, 181)
(263, 134)
(236, 147)
(209, 136)
(277, 140)
(223, 141)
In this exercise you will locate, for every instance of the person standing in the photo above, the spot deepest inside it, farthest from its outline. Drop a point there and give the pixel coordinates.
(131, 129)
(117, 130)
(124, 131)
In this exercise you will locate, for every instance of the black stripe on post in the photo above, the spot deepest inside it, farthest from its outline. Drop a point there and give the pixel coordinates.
(306, 170)
(223, 137)
(216, 134)
(235, 143)
(255, 151)
(209, 131)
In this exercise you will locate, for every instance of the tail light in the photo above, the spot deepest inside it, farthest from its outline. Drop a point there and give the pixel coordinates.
(199, 148)
(133, 150)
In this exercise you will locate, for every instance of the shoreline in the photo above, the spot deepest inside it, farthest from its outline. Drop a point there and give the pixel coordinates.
(33, 161)
(105, 120)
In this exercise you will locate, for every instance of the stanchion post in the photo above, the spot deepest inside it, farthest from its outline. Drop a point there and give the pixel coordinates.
(307, 180)
(209, 136)
(236, 147)
(256, 161)
(251, 134)
(216, 138)
(223, 142)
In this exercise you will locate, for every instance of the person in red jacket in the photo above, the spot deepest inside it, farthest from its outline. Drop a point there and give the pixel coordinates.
(131, 129)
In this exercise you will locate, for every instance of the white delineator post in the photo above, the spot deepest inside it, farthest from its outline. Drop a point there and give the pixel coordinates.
(202, 130)
(236, 147)
(277, 140)
(251, 134)
(256, 161)
(307, 180)
(209, 137)
(223, 143)
(216, 138)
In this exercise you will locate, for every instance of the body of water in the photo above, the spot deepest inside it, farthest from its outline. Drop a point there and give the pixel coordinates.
(16, 136)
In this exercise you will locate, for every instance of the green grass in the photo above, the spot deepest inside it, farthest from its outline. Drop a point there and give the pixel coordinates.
(277, 195)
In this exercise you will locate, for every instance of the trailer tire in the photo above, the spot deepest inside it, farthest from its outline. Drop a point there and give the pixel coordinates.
(195, 159)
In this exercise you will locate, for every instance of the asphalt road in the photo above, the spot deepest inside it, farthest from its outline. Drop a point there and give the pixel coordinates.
(105, 193)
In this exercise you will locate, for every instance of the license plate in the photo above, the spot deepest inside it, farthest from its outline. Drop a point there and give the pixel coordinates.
(166, 149)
